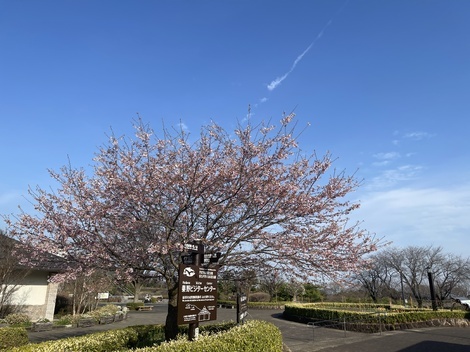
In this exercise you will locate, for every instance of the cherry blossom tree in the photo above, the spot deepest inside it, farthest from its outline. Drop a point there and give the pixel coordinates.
(84, 290)
(252, 195)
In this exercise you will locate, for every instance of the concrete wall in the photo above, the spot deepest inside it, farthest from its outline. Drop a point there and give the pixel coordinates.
(32, 289)
(36, 296)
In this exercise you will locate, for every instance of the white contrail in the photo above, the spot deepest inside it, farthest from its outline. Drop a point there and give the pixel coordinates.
(278, 80)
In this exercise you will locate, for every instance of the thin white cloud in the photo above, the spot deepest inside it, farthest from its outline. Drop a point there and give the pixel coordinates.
(391, 177)
(276, 82)
(263, 100)
(420, 216)
(387, 156)
(273, 85)
(417, 136)
(413, 136)
(381, 163)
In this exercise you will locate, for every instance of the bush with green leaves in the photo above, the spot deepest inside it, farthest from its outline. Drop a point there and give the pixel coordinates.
(368, 318)
(109, 309)
(112, 340)
(16, 319)
(255, 335)
(255, 305)
(252, 336)
(105, 311)
(12, 337)
(259, 297)
(68, 319)
(134, 305)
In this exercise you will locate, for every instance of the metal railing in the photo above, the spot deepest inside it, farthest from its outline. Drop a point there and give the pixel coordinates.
(342, 323)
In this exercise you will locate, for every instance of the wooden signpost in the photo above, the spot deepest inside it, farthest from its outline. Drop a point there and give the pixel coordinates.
(242, 307)
(197, 294)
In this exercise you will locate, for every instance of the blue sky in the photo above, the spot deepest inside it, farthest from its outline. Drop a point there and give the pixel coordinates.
(384, 84)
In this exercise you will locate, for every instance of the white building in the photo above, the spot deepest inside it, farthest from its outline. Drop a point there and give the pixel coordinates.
(27, 289)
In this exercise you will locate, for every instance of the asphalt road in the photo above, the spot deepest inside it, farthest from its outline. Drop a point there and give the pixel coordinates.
(303, 338)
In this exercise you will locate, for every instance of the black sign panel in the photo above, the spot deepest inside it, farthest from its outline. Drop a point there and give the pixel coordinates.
(211, 258)
(197, 295)
(242, 307)
(187, 259)
(194, 248)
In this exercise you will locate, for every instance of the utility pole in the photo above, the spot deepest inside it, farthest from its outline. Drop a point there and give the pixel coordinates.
(431, 288)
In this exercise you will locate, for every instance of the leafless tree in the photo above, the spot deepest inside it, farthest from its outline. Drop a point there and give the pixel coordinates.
(410, 266)
(378, 278)
(270, 282)
(84, 290)
(449, 274)
(295, 289)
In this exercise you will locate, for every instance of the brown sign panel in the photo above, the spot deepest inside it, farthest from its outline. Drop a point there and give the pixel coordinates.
(197, 295)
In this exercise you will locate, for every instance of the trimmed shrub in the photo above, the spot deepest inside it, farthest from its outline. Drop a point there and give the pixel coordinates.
(266, 305)
(109, 309)
(17, 319)
(106, 311)
(365, 318)
(259, 297)
(67, 320)
(147, 335)
(112, 340)
(252, 336)
(255, 335)
(134, 305)
(255, 305)
(12, 337)
(132, 337)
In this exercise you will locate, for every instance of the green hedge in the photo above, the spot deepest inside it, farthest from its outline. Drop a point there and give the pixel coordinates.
(12, 337)
(113, 340)
(255, 305)
(148, 335)
(266, 305)
(390, 318)
(134, 305)
(255, 335)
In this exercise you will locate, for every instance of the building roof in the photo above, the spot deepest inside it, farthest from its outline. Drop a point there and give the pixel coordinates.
(13, 250)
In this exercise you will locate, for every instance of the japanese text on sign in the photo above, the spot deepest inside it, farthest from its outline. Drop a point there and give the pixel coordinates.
(197, 298)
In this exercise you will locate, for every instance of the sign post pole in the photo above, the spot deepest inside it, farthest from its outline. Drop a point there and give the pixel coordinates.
(193, 331)
(197, 290)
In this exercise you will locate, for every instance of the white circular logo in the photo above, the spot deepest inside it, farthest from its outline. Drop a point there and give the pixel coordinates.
(189, 272)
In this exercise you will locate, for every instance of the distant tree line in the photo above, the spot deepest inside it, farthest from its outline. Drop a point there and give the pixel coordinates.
(267, 286)
(403, 273)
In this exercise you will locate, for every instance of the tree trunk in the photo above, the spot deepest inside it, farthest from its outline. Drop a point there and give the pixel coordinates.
(171, 324)
(137, 291)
